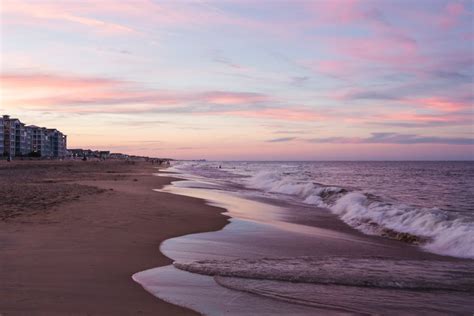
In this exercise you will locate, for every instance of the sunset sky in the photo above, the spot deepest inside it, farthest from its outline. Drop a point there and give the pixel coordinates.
(235, 80)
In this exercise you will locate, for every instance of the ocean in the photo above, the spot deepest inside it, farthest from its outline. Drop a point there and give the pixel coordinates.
(325, 237)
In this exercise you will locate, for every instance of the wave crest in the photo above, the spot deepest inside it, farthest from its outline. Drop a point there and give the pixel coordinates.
(437, 231)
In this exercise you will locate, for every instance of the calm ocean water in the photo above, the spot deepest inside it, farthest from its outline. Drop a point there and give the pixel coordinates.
(430, 200)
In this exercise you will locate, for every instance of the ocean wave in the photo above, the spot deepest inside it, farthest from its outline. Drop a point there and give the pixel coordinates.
(361, 272)
(436, 230)
(433, 228)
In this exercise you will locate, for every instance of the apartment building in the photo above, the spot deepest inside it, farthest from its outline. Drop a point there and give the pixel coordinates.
(58, 143)
(9, 136)
(40, 143)
(20, 140)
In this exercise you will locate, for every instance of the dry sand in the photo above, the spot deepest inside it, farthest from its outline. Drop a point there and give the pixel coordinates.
(73, 233)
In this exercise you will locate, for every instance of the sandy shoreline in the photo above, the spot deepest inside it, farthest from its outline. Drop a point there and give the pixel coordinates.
(73, 233)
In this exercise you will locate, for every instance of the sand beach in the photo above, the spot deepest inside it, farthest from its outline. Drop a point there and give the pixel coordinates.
(73, 233)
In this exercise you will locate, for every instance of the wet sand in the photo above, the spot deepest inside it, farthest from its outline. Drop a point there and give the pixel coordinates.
(73, 233)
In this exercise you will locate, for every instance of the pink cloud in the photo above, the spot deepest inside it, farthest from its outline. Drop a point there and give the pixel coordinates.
(232, 98)
(343, 11)
(443, 105)
(385, 44)
(451, 15)
(280, 114)
(37, 80)
(355, 56)
(142, 14)
(435, 103)
(66, 93)
(72, 12)
(444, 20)
(382, 50)
(70, 94)
(67, 90)
(410, 116)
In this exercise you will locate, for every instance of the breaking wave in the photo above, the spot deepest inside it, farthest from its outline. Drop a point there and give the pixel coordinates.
(436, 230)
(361, 272)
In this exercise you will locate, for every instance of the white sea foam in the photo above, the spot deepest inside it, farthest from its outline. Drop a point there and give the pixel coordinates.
(454, 237)
(309, 192)
(438, 231)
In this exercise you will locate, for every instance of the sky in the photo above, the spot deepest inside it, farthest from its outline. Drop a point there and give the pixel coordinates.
(245, 80)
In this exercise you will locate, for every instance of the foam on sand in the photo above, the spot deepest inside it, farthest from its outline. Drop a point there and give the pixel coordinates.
(362, 272)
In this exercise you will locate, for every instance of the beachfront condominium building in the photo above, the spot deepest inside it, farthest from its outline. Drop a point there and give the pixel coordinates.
(9, 136)
(40, 142)
(58, 143)
(14, 137)
(19, 140)
(47, 142)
